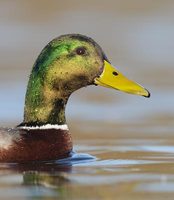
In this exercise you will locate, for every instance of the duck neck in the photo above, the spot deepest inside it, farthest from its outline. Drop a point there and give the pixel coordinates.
(43, 105)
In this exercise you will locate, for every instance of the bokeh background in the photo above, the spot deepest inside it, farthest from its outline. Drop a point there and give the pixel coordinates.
(137, 36)
(131, 136)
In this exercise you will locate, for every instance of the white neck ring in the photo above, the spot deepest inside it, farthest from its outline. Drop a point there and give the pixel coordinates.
(46, 126)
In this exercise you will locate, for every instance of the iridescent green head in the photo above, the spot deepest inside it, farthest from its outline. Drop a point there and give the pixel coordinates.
(66, 64)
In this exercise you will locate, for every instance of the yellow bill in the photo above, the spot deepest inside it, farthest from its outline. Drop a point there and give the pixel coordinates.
(112, 78)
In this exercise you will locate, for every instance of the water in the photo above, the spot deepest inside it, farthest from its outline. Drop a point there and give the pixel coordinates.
(127, 168)
(124, 144)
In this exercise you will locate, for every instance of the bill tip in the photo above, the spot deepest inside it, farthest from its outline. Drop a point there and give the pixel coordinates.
(148, 94)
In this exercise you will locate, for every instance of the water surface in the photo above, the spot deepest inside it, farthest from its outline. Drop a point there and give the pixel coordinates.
(124, 144)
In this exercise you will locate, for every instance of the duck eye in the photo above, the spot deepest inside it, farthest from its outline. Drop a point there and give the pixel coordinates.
(80, 51)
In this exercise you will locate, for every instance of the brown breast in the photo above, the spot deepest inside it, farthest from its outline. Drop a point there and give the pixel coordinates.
(35, 145)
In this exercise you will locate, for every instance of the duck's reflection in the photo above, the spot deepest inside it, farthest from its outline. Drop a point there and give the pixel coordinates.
(51, 180)
(43, 179)
(49, 175)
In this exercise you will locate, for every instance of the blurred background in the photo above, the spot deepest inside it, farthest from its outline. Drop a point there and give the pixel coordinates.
(131, 136)
(137, 37)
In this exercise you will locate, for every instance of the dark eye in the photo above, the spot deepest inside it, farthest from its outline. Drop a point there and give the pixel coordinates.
(81, 51)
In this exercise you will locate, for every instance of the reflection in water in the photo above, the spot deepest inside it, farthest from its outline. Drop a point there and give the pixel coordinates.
(134, 170)
(130, 138)
(54, 180)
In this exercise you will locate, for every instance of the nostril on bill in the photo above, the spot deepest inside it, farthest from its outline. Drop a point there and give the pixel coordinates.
(115, 73)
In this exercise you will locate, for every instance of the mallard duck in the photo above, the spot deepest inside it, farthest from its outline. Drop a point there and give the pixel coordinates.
(67, 63)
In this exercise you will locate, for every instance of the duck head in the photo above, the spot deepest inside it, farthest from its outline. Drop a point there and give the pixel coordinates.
(66, 64)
